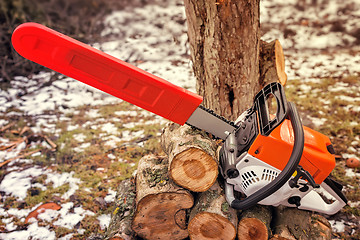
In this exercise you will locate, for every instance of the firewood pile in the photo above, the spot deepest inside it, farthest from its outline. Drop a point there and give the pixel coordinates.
(179, 195)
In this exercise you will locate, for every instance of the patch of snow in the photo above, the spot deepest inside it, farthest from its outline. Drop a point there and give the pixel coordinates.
(353, 204)
(352, 149)
(353, 124)
(352, 108)
(10, 226)
(348, 155)
(131, 124)
(104, 220)
(110, 197)
(129, 135)
(36, 154)
(348, 98)
(93, 113)
(337, 226)
(70, 216)
(350, 173)
(79, 137)
(64, 178)
(3, 122)
(110, 128)
(82, 147)
(94, 127)
(338, 87)
(48, 215)
(126, 113)
(33, 231)
(317, 121)
(72, 127)
(67, 237)
(17, 183)
(112, 141)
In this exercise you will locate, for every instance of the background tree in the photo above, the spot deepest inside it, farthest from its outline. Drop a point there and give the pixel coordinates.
(224, 38)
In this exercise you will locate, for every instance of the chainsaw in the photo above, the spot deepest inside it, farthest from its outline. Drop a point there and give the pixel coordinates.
(268, 159)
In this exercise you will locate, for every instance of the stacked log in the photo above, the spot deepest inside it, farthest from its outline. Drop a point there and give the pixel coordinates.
(160, 204)
(292, 224)
(123, 213)
(191, 154)
(212, 217)
(255, 223)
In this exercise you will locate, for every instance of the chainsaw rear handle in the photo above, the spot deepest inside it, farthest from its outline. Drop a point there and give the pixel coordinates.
(285, 174)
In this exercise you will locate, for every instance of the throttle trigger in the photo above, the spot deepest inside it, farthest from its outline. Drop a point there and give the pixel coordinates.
(302, 173)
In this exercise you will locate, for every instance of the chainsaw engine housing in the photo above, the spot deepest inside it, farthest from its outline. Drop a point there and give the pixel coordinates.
(257, 152)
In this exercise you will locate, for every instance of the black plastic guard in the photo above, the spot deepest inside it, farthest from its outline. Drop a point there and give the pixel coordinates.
(266, 123)
(336, 187)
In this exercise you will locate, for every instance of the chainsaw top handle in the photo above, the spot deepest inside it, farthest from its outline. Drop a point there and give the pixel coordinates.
(285, 174)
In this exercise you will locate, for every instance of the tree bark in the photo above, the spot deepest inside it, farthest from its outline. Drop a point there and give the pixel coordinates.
(160, 211)
(224, 39)
(291, 223)
(255, 223)
(212, 217)
(191, 154)
(272, 63)
(121, 217)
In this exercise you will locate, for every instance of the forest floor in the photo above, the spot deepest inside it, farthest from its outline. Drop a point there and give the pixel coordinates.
(67, 144)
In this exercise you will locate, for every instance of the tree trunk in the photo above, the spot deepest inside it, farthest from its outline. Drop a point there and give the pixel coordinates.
(212, 217)
(255, 223)
(191, 154)
(121, 217)
(291, 223)
(160, 204)
(224, 39)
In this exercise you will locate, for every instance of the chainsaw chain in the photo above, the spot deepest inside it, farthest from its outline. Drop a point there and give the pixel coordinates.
(217, 116)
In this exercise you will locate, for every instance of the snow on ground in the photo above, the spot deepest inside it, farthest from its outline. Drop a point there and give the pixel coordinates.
(319, 41)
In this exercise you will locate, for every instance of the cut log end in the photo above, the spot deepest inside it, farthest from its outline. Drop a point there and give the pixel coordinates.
(194, 169)
(160, 216)
(252, 228)
(280, 63)
(207, 225)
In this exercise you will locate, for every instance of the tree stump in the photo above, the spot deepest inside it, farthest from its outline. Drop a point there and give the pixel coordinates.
(160, 212)
(191, 154)
(255, 223)
(291, 223)
(212, 217)
(272, 63)
(121, 217)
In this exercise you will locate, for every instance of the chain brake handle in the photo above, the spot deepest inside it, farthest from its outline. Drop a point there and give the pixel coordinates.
(267, 123)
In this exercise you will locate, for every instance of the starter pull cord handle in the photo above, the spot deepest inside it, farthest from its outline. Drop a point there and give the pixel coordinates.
(283, 177)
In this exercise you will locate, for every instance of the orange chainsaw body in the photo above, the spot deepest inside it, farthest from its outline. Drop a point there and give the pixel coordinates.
(276, 149)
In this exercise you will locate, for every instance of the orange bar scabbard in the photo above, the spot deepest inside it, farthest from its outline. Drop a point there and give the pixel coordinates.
(104, 72)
